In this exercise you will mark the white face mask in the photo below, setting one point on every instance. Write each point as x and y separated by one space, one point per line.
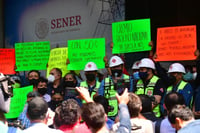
194 75
51 78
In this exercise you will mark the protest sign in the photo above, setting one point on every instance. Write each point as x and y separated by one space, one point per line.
32 55
7 61
131 36
176 43
18 101
83 51
57 59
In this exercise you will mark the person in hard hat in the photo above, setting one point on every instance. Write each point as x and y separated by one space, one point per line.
149 84
176 71
135 76
107 88
91 75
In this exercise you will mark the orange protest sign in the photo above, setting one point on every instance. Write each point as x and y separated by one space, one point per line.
176 43
7 61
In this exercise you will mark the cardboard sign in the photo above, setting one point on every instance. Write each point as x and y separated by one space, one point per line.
7 61
18 101
57 59
80 52
131 36
176 43
32 55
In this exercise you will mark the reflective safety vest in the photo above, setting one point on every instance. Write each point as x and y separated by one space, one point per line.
94 91
109 93
180 87
148 91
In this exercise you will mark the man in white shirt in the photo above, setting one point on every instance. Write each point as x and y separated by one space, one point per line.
37 113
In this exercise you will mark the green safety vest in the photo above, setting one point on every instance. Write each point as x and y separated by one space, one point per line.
110 94
148 91
94 91
180 86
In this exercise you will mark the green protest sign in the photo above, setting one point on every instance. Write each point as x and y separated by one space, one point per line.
83 51
131 36
32 55
57 59
18 101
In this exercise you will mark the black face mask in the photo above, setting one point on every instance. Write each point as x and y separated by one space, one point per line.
55 104
69 84
42 91
172 79
90 77
116 72
143 75
33 82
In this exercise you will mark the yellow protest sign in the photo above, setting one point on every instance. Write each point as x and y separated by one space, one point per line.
57 59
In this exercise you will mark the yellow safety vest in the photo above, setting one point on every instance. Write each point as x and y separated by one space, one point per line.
181 86
148 91
94 91
110 94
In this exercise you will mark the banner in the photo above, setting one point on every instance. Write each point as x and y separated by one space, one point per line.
176 43
131 36
7 61
57 59
18 101
80 52
32 55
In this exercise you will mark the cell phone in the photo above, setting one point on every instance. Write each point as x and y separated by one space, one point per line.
71 92
121 85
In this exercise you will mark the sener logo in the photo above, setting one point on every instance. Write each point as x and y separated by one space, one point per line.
42 28
65 22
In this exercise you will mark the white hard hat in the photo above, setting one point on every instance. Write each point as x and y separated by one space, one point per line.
90 66
176 67
146 62
115 61
136 65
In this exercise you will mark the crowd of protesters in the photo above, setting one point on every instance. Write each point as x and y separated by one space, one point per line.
149 99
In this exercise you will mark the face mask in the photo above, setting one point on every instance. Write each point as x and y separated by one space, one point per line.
172 79
143 75
194 75
188 76
90 77
136 76
33 82
51 78
116 72
56 103
42 91
69 84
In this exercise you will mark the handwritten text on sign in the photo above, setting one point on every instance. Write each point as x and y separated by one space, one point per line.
86 50
131 36
18 101
176 43
32 55
7 61
57 59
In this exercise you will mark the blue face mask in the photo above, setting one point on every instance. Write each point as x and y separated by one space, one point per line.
188 76
136 76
